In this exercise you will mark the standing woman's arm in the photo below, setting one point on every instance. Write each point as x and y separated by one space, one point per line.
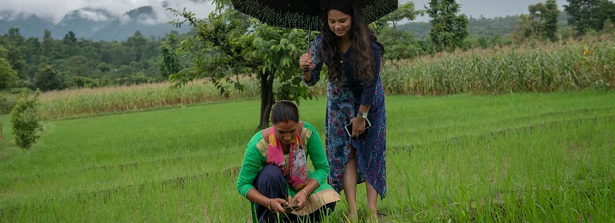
312 76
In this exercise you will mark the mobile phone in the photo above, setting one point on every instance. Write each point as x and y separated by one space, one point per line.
348 127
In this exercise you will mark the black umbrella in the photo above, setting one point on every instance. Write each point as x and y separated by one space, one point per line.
306 14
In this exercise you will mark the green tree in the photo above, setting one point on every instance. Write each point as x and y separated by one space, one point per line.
541 22
24 117
448 29
404 11
7 75
48 79
223 47
137 44
170 61
400 44
48 46
70 38
15 43
550 16
537 13
15 37
524 28
33 56
588 15
77 66
216 50
14 57
276 54
606 14
69 45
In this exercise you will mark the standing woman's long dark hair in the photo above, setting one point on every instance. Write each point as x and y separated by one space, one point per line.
360 37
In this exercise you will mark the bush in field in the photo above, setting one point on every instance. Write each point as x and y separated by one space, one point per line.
25 121
6 103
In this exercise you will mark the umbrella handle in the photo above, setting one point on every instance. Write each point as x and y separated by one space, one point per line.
308 37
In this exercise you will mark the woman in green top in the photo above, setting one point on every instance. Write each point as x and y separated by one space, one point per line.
274 174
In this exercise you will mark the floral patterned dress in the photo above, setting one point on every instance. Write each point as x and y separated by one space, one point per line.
344 98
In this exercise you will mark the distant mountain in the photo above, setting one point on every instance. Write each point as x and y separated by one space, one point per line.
91 23
28 25
84 23
142 19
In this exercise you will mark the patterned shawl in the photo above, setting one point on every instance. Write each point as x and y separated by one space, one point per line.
297 177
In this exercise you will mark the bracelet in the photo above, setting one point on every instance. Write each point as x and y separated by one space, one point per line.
269 204
306 195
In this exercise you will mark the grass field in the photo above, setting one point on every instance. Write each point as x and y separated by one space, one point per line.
509 158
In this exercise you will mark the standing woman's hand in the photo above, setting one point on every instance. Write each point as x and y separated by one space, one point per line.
358 126
305 61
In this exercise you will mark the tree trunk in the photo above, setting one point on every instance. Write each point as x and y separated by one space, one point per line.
266 99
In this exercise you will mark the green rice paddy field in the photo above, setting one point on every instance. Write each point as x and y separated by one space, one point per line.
509 158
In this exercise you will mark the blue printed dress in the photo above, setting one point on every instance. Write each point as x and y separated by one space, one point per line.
344 97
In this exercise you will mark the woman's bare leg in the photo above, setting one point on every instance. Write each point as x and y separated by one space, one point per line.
372 198
349 180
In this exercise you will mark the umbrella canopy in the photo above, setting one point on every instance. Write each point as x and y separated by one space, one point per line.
305 14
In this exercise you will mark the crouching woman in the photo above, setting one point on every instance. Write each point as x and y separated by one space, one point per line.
275 177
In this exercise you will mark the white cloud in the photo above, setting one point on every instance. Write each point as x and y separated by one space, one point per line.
56 9
94 16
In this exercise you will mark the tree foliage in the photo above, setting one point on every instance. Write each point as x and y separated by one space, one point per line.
404 11
228 44
217 50
399 44
586 15
109 63
7 75
48 79
551 17
276 55
170 63
25 121
540 23
448 29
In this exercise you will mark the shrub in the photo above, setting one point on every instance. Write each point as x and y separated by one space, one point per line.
25 121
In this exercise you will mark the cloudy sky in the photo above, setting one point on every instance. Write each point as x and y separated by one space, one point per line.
56 9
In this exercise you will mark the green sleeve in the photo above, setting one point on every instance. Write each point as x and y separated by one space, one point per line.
318 156
253 162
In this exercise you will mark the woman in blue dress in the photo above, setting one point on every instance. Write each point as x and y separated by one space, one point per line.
355 95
